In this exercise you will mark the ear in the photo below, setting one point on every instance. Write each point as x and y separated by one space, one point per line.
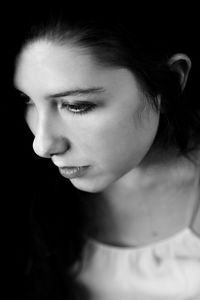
181 64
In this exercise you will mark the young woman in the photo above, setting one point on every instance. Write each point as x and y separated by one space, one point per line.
108 107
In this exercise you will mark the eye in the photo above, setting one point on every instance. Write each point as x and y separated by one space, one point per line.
78 107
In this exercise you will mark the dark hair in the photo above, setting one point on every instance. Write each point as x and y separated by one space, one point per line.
115 43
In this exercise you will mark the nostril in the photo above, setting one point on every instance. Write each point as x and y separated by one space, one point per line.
61 147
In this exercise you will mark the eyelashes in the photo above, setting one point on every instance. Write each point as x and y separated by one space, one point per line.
79 107
76 108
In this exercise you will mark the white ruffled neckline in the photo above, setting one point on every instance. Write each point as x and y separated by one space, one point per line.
168 269
160 243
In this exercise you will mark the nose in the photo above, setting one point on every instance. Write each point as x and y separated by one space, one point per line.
48 139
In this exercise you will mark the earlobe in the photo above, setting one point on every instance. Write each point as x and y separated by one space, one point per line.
181 64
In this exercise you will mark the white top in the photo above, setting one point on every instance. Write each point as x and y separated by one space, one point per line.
168 270
165 270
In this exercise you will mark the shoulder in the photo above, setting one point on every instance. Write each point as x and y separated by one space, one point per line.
196 223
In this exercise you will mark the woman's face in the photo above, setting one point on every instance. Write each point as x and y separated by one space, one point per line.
84 114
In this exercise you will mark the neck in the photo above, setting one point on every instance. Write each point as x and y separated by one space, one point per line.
150 203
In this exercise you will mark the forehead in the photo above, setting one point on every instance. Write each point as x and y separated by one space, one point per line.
50 61
46 67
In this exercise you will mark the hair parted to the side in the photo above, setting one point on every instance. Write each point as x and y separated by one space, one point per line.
114 43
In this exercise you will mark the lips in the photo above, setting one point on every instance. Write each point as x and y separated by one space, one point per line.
73 171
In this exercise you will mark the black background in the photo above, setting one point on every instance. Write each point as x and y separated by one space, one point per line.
21 171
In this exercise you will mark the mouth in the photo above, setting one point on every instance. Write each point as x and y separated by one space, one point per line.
73 171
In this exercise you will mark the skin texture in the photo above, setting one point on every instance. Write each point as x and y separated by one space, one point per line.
137 194
112 139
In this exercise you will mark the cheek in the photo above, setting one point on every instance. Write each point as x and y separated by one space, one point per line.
122 139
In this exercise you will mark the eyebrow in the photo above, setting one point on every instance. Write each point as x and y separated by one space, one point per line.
77 92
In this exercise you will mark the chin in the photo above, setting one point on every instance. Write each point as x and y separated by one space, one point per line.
90 186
